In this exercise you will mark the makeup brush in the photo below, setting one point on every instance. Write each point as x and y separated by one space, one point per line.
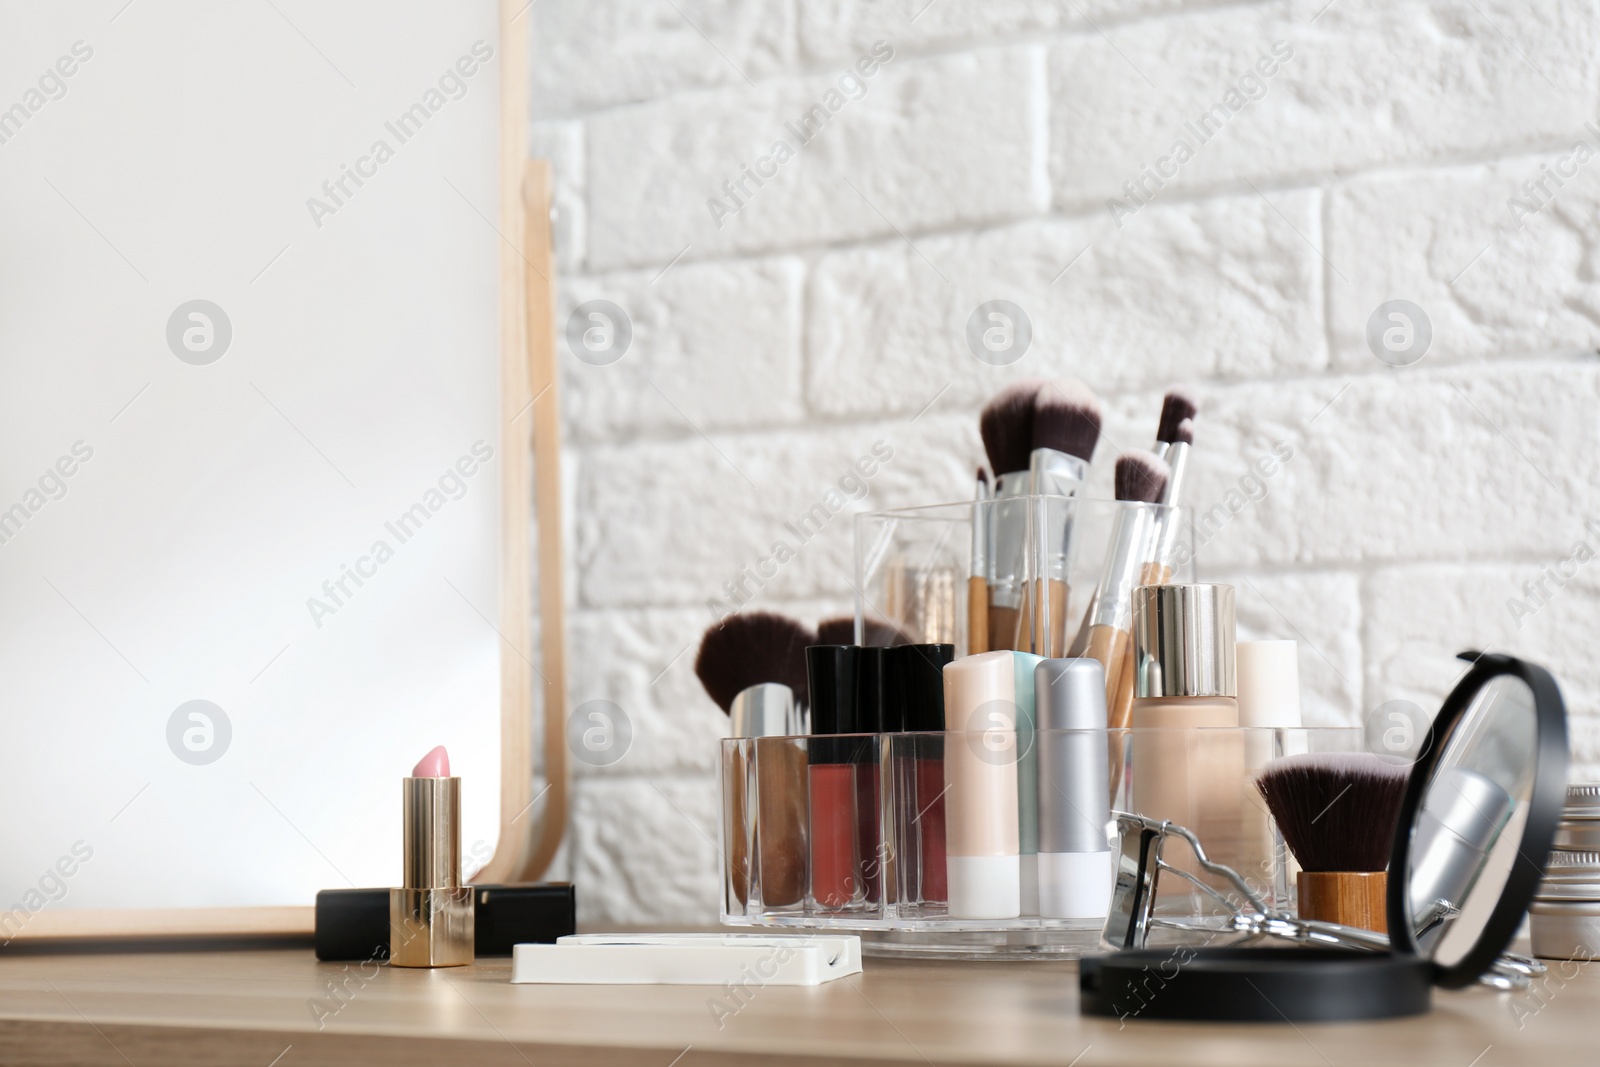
752 648
1337 813
1006 426
978 576
1140 478
1157 569
753 665
841 630
1066 428
1177 405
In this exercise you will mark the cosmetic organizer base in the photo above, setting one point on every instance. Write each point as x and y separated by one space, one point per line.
946 939
846 833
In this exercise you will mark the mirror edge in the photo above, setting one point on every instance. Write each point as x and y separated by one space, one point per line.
1545 804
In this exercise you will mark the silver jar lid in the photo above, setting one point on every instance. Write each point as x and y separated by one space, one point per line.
1183 641
1583 801
1570 876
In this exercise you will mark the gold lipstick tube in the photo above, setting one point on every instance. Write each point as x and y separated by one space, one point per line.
430 915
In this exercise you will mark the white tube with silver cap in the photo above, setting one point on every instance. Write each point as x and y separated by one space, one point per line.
1076 863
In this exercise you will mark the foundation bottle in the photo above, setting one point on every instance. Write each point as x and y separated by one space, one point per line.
1187 769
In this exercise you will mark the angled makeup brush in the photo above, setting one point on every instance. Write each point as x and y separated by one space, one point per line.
841 630
753 648
1140 476
1106 632
1337 813
1177 456
1177 405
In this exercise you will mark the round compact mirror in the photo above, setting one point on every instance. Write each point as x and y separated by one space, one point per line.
1481 808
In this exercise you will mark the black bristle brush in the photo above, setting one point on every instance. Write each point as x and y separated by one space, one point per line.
1006 426
1140 476
1066 418
745 651
751 648
1179 404
1337 813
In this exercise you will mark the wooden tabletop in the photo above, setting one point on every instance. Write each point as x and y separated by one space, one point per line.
261 1007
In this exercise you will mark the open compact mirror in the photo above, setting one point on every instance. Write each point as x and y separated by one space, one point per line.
1479 815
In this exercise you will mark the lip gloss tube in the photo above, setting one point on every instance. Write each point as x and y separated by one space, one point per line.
431 913
1076 863
872 859
980 766
831 680
917 676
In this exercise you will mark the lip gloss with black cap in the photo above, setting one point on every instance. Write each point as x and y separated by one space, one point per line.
831 679
872 670
917 685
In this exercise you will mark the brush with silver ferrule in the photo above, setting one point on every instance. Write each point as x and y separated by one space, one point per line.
978 575
1179 404
753 666
1106 634
1066 429
1006 426
1157 569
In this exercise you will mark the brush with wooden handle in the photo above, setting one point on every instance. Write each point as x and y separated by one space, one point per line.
1337 812
1176 406
1006 426
1140 479
1106 633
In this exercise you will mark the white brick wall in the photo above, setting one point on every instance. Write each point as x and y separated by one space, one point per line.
1374 163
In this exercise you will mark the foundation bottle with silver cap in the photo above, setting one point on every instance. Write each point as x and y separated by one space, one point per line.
1188 759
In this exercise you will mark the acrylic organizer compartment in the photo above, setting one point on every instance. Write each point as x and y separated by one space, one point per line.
1024 583
852 832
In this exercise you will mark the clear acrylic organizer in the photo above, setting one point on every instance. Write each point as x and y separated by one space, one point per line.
847 833
1026 581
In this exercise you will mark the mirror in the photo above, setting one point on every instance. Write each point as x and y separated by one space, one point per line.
253 456
1461 850
1481 810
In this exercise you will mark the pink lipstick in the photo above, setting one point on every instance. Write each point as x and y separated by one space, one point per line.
431 914
436 764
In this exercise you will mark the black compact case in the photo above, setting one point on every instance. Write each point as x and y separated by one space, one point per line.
1505 717
353 924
